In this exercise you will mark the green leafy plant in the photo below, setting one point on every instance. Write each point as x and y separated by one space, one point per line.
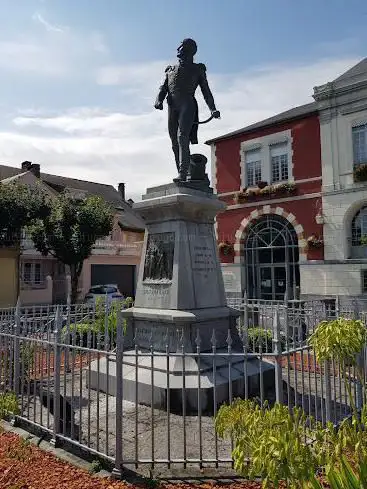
20 206
260 340
95 466
360 173
364 240
271 443
343 477
70 231
104 323
26 358
8 404
341 341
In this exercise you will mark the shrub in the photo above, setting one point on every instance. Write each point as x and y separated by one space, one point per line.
8 404
89 332
260 340
270 443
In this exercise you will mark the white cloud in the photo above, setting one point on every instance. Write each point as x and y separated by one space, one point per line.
32 57
111 146
49 27
47 53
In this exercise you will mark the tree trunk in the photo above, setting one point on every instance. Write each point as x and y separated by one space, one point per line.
74 275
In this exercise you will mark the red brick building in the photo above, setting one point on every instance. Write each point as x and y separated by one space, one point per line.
269 174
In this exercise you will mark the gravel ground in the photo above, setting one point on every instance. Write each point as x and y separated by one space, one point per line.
145 431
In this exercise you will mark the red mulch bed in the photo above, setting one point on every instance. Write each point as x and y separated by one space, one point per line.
24 466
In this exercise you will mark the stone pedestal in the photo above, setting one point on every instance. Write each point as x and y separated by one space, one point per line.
180 301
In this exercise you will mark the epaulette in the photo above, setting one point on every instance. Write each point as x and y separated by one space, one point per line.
202 66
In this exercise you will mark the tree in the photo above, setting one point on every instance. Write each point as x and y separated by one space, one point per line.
70 231
20 205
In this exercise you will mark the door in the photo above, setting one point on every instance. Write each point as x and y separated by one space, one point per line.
273 282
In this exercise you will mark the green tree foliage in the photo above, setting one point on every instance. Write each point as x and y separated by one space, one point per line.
280 444
20 205
70 230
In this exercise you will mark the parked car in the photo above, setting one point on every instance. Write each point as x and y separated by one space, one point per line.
108 291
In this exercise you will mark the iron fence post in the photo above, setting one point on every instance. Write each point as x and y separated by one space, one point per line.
118 469
327 391
16 354
57 374
278 358
360 366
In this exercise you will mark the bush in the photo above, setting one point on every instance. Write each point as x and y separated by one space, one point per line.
270 443
8 404
88 333
260 340
280 444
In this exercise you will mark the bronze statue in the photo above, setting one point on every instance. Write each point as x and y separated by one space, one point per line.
179 86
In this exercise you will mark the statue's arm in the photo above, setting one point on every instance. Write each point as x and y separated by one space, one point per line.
162 93
204 86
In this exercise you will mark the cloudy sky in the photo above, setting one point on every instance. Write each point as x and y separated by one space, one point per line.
78 78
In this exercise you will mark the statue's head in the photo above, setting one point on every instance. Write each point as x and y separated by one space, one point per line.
187 49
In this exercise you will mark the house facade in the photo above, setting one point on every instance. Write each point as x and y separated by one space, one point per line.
114 260
296 216
342 107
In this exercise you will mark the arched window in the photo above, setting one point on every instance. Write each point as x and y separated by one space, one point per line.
359 227
271 259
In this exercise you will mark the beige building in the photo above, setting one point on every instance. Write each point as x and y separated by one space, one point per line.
114 260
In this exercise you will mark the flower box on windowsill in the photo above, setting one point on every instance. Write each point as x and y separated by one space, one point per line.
226 248
360 173
226 252
267 191
315 242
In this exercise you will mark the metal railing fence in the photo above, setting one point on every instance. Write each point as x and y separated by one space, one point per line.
91 383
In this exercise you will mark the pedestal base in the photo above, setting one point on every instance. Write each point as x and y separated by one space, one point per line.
201 384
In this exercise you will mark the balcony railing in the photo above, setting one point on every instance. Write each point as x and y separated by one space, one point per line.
106 247
101 247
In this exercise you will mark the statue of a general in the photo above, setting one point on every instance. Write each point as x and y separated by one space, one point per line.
179 86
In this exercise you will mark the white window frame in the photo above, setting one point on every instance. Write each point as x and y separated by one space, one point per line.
279 151
358 127
253 158
33 266
364 281
264 144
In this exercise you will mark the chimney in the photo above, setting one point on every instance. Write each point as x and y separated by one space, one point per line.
26 165
36 170
121 188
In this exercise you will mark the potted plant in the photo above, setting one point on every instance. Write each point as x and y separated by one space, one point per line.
268 190
360 173
315 242
240 196
226 248
262 184
286 188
